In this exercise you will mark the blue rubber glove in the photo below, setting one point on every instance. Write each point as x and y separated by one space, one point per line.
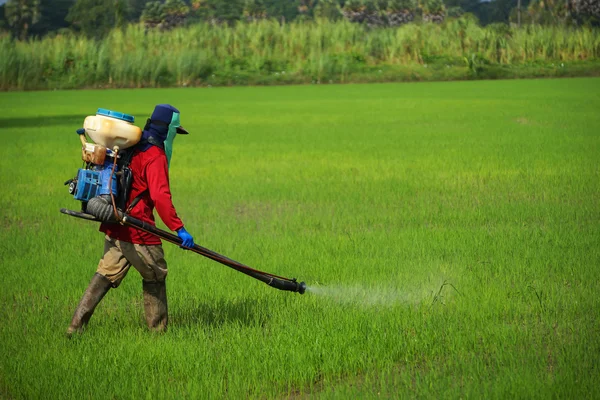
188 240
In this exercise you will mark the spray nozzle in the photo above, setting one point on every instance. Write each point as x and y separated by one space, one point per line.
301 287
288 285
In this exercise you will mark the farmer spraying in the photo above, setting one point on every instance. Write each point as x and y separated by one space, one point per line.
126 246
125 176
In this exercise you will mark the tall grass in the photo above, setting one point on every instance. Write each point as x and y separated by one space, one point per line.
268 52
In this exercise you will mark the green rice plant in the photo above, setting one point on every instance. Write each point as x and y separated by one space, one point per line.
448 233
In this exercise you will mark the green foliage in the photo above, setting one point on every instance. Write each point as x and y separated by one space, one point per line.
153 14
433 11
176 8
465 5
475 64
95 18
285 10
573 12
176 13
401 5
546 12
136 8
92 17
52 18
391 13
432 6
218 11
368 12
455 12
306 8
254 10
353 5
167 15
317 51
21 15
328 9
485 11
500 29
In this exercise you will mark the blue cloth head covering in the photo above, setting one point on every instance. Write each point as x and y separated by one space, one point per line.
157 128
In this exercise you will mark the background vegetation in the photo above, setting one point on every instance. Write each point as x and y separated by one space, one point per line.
267 52
95 18
119 43
375 195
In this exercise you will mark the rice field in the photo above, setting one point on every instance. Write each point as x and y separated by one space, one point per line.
448 233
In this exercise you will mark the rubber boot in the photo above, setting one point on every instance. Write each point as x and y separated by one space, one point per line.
98 287
155 305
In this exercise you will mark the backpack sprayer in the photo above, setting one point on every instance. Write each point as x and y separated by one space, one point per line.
103 185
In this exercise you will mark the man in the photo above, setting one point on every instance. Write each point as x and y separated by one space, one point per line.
125 246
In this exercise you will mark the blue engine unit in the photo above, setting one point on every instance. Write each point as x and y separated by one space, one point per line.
95 182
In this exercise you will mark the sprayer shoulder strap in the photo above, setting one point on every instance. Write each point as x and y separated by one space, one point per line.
135 201
126 156
140 195
126 181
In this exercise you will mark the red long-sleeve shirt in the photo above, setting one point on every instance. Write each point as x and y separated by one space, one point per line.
150 175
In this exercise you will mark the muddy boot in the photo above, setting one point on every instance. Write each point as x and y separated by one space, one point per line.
155 305
96 290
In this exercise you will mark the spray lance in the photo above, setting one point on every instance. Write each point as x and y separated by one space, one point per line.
278 282
102 178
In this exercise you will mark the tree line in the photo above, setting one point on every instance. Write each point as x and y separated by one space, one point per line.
95 18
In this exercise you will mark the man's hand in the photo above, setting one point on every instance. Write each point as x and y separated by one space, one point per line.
188 240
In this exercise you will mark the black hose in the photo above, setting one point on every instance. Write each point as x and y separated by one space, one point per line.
277 282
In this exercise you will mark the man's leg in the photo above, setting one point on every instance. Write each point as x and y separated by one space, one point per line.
155 305
95 291
112 268
151 264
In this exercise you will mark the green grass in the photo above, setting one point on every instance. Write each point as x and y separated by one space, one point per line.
375 195
269 53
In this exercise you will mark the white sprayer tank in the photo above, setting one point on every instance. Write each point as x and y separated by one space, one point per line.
112 128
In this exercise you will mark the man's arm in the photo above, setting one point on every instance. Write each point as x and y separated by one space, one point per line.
157 176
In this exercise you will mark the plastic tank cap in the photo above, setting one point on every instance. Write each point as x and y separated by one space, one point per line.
115 114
